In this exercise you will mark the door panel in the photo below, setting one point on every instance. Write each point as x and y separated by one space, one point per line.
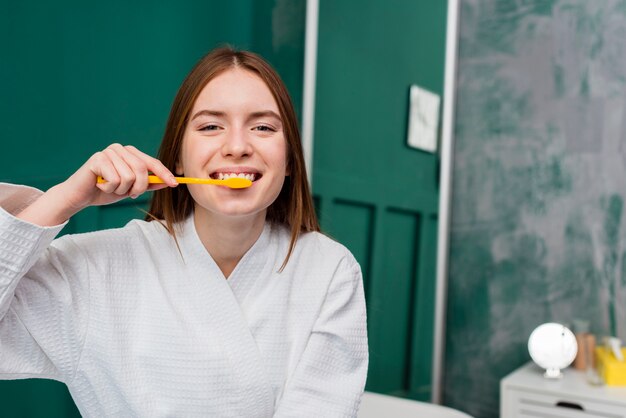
390 311
352 225
375 194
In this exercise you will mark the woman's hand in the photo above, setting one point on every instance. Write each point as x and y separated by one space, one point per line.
125 170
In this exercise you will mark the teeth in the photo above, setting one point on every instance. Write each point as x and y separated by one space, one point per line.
224 176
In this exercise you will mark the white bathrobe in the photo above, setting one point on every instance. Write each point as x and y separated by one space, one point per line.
134 327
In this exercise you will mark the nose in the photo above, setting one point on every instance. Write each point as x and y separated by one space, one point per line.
236 144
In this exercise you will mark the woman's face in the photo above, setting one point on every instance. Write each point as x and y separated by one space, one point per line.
234 129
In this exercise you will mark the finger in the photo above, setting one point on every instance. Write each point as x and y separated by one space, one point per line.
139 168
155 166
126 174
102 166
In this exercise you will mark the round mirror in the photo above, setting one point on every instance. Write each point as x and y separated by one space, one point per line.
553 347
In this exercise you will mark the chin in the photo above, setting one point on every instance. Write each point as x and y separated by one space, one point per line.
233 211
232 204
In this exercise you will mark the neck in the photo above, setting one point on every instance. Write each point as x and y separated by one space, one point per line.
228 239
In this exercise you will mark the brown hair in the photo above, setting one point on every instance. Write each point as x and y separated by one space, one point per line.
294 206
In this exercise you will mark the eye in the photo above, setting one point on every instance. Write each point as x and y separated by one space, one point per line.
264 128
209 127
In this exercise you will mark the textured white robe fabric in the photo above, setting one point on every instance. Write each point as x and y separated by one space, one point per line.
134 327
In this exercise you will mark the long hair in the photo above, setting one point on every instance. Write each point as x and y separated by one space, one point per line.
294 206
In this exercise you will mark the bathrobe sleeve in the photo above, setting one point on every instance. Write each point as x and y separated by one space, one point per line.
43 295
330 376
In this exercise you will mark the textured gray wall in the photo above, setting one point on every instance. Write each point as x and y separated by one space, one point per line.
537 228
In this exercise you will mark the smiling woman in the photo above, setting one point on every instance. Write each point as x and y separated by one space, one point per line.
248 113
224 302
241 138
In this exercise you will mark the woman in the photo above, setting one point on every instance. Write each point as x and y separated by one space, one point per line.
225 302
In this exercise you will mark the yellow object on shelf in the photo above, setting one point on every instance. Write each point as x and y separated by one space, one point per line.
612 370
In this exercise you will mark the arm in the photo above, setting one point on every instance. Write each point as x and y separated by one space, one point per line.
330 377
125 170
44 286
30 219
43 293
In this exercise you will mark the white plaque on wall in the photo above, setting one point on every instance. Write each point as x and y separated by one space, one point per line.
423 119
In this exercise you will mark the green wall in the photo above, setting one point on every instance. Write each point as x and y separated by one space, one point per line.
76 76
539 184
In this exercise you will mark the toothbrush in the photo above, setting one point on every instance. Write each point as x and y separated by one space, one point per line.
232 182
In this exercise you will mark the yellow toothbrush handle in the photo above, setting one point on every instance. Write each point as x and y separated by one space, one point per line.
154 179
233 182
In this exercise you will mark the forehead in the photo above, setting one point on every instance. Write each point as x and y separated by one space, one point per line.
236 88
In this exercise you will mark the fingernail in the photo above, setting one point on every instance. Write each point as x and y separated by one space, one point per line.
133 196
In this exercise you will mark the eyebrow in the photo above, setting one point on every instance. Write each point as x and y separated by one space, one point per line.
206 112
265 114
253 115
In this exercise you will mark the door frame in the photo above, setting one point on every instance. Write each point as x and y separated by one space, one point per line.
445 196
308 90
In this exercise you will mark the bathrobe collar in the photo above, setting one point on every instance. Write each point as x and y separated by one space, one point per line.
226 315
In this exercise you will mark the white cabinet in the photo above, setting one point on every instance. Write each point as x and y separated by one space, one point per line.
525 393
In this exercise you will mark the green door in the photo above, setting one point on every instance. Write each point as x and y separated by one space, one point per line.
76 76
374 193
